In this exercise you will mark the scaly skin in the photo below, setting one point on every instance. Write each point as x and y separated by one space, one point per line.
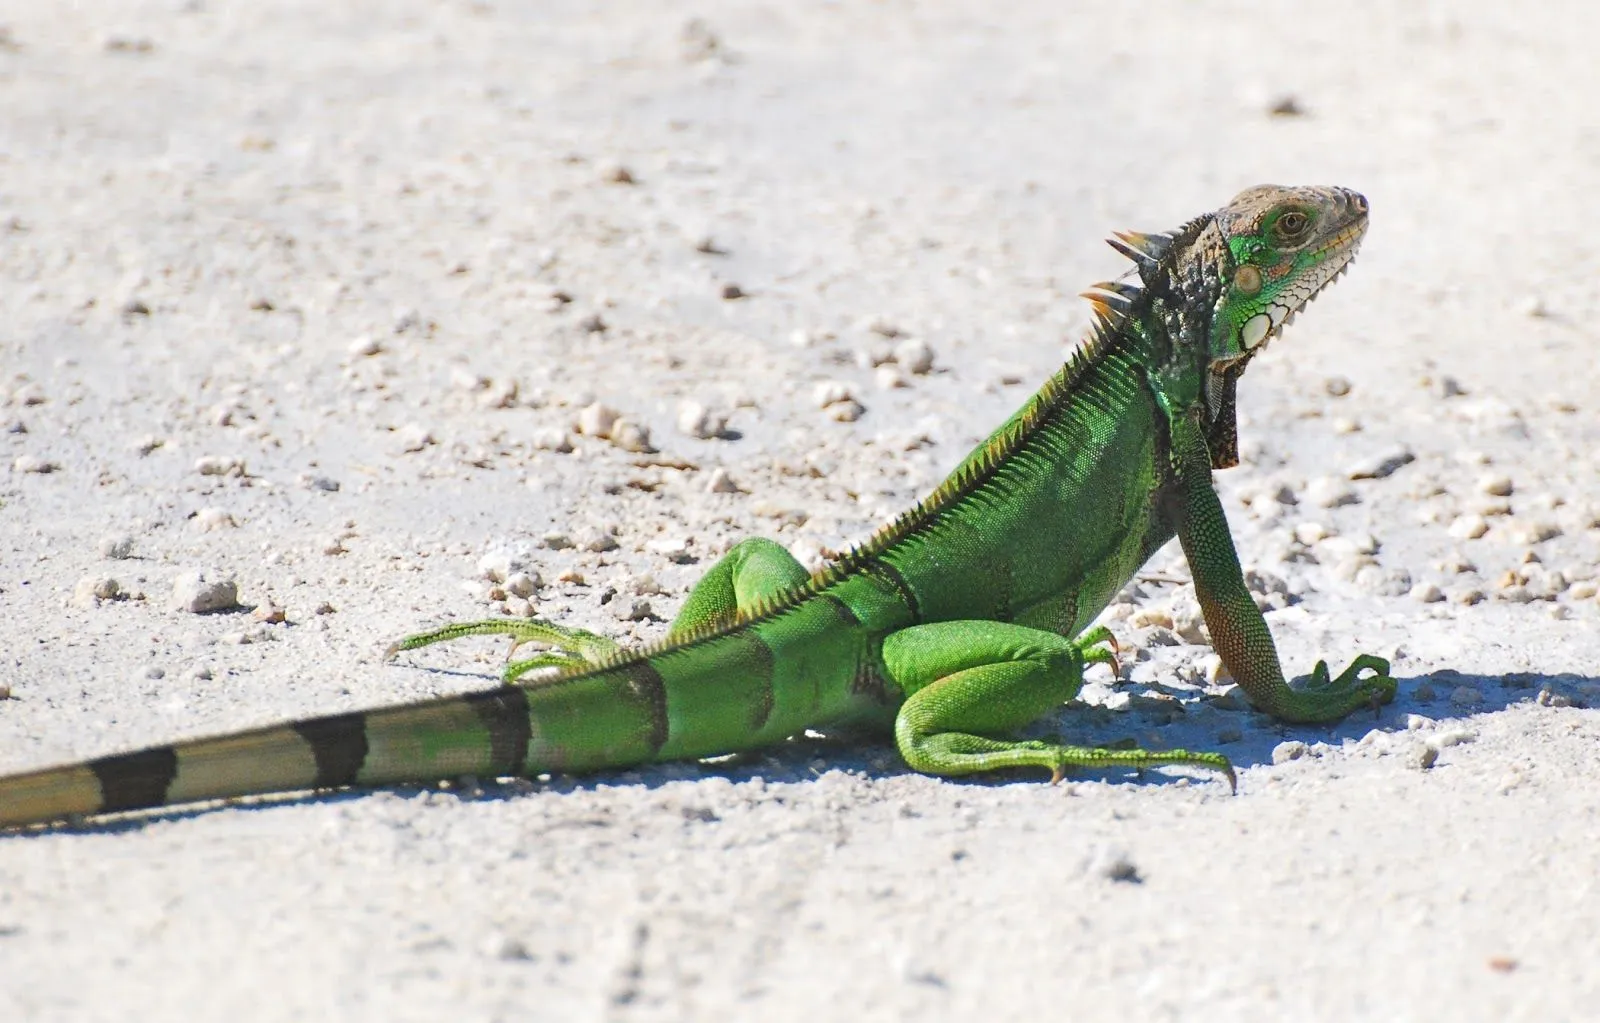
954 626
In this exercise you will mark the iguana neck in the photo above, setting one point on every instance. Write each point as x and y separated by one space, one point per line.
1175 313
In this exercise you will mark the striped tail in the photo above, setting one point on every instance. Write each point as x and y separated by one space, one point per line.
611 718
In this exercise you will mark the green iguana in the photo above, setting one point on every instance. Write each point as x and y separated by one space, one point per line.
963 620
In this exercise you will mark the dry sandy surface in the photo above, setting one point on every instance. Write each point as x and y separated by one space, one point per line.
304 295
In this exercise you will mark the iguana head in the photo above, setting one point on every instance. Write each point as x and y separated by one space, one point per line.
1219 287
1284 245
1279 247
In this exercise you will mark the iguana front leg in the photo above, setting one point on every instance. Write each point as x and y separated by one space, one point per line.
754 571
969 684
1238 631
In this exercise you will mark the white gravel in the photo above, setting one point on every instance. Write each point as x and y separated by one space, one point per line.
401 246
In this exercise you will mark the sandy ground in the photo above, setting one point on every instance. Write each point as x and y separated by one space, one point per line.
304 295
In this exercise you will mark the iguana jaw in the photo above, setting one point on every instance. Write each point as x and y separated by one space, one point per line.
1331 262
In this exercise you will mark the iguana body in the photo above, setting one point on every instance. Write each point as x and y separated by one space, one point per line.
954 626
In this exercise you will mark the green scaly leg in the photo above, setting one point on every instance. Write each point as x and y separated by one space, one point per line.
968 682
755 570
1238 631
571 647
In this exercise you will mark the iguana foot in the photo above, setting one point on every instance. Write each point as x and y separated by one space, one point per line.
1098 646
565 647
1327 699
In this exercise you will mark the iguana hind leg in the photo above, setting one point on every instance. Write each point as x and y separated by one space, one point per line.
968 683
755 570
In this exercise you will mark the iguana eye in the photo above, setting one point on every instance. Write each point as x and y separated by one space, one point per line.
1292 223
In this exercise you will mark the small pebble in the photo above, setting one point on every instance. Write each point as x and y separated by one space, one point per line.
1496 485
364 346
1424 756
1309 533
553 439
1549 696
731 292
269 613
592 324
500 565
721 483
1330 492
209 520
673 548
1113 865
914 355
1286 105
632 610
889 378
698 421
830 392
1469 527
523 584
597 420
215 465
1284 752
1453 736
601 543
846 411
200 592
1532 531
616 174
1382 465
91 590
414 437
1426 593
696 42
28 463
1336 387
308 481
555 301
1463 696
117 547
631 436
